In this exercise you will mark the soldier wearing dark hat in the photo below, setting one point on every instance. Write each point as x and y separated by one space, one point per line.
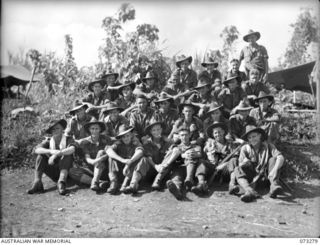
203 96
96 98
211 66
127 162
255 55
94 169
113 119
175 90
240 118
111 81
258 160
156 148
166 112
217 147
215 113
54 157
267 117
187 76
79 119
232 94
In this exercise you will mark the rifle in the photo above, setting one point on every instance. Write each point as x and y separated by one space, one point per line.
224 163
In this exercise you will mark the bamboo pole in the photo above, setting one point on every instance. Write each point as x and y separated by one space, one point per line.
31 80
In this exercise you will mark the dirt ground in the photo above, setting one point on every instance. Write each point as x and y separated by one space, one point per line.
83 213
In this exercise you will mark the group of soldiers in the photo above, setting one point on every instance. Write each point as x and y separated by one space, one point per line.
195 129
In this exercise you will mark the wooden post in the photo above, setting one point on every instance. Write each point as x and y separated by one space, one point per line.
31 80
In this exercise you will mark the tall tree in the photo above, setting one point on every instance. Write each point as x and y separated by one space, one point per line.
304 32
229 35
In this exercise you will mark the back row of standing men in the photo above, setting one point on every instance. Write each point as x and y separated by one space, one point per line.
194 127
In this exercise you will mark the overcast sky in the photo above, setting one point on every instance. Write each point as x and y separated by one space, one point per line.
187 26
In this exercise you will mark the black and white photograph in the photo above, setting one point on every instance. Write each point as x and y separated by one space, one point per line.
160 119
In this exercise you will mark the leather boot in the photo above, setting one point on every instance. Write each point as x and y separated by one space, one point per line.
275 189
233 187
103 185
200 189
174 189
157 182
113 189
95 186
124 184
37 187
62 188
250 194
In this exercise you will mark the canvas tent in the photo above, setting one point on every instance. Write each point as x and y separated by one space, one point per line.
15 75
295 78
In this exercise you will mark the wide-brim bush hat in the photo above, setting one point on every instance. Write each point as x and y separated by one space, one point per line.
124 129
77 106
110 107
164 97
153 122
209 61
230 79
252 33
250 129
149 75
263 95
110 73
183 58
91 84
94 121
202 84
216 125
190 104
242 106
127 83
54 122
213 107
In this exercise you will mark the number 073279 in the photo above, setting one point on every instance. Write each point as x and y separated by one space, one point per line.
309 240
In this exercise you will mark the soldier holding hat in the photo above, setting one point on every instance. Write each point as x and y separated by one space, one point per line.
126 160
187 76
255 55
258 160
267 117
95 158
54 157
230 96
